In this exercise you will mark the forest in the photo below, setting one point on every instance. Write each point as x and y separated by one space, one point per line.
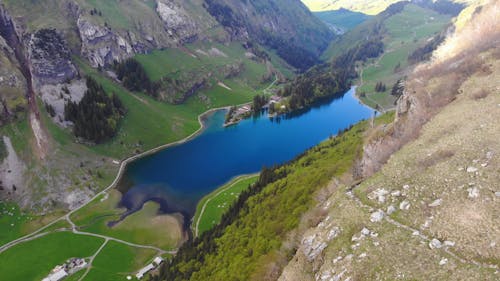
134 77
96 116
329 79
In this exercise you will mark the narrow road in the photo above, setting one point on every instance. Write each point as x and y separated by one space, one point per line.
89 265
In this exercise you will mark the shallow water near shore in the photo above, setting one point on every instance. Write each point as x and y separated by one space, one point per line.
179 176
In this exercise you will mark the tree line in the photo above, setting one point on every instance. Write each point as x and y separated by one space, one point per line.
97 115
329 79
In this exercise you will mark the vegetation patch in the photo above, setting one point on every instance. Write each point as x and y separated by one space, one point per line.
97 115
211 208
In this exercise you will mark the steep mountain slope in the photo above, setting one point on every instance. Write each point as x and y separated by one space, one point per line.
421 215
429 213
298 37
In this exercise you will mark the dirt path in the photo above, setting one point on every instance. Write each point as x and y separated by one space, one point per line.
89 266
419 234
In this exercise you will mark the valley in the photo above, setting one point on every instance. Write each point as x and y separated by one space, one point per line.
271 197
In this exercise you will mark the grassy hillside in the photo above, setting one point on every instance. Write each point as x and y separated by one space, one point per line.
402 33
405 33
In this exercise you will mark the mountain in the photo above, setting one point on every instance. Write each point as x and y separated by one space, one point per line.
341 20
173 52
403 196
366 7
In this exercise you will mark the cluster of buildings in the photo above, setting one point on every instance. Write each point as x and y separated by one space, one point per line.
69 267
156 262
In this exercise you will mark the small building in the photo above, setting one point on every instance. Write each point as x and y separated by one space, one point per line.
144 270
158 261
56 275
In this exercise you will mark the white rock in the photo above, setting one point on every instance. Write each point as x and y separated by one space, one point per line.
379 194
363 255
471 169
436 203
497 194
391 209
337 259
405 205
334 232
396 193
406 187
365 231
416 233
443 261
377 216
435 244
473 192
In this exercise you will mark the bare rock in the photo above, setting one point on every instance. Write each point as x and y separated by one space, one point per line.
436 203
471 169
377 216
391 209
435 244
405 205
473 192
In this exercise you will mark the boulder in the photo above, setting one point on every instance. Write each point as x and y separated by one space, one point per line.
435 244
377 216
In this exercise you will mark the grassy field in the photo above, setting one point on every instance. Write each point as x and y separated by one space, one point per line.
215 204
34 259
116 261
145 227
406 31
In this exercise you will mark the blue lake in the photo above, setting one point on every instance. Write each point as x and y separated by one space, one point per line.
179 176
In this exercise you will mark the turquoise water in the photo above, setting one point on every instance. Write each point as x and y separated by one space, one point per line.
179 176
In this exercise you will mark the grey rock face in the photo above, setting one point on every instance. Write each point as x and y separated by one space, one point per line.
50 57
101 45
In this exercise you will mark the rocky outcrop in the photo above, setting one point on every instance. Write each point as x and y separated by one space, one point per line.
179 25
100 45
50 58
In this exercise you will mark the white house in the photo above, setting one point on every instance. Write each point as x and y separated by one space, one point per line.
158 260
56 276
144 270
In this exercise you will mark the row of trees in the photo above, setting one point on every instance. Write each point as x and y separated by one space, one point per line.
380 87
258 102
97 115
